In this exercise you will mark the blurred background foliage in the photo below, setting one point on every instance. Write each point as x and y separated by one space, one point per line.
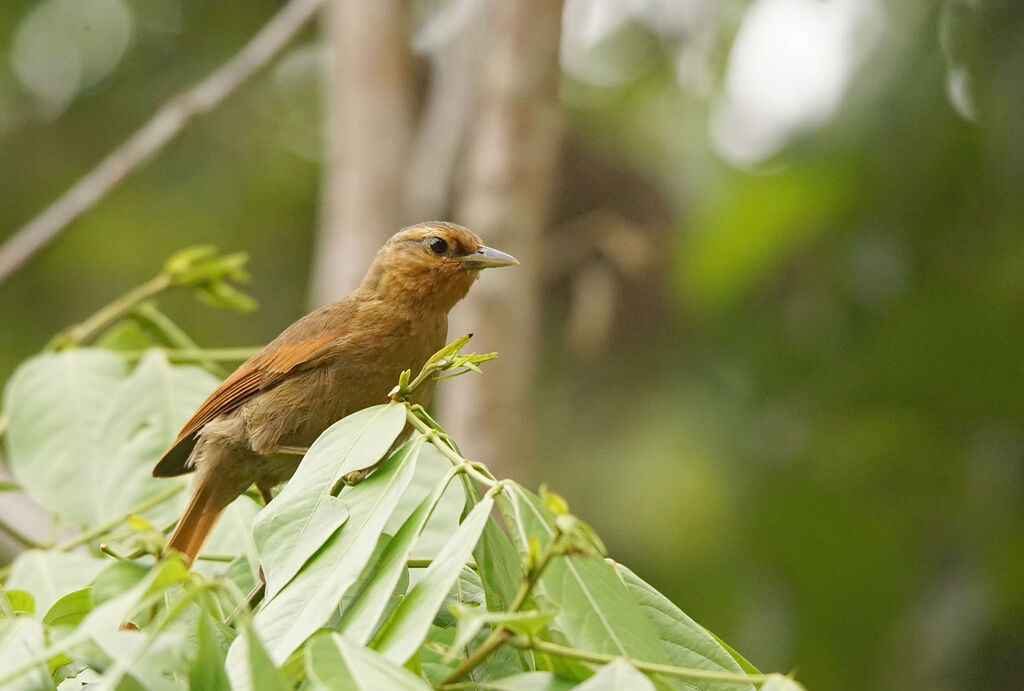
781 362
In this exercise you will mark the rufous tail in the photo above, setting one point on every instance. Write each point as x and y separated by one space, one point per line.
197 522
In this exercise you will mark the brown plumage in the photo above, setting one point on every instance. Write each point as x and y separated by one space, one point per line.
334 361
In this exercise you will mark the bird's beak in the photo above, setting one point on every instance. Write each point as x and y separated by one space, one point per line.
487 257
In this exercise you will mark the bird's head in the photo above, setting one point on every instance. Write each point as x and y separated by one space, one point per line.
433 263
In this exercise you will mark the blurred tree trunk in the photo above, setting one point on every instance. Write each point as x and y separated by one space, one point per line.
368 126
503 194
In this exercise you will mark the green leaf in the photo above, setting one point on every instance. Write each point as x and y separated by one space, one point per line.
150 660
21 639
471 619
595 611
126 334
115 579
56 402
333 663
261 674
779 682
501 571
302 518
141 420
743 662
207 669
361 619
242 573
21 601
223 294
528 681
407 626
431 469
79 420
312 597
70 609
617 676
49 575
183 260
6 610
685 641
8 486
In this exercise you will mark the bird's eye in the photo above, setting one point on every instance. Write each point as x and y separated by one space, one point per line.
438 245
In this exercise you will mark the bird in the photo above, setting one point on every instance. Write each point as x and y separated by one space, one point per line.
336 360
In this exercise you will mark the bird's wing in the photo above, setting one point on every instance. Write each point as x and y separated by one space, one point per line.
264 370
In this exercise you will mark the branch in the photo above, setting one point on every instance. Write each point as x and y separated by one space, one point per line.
532 643
500 634
168 121
99 530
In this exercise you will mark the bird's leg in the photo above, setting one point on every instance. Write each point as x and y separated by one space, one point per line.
357 476
254 597
292 450
265 492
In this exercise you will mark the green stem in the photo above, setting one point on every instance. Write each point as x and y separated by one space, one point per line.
425 563
147 315
96 531
107 315
531 643
451 454
500 634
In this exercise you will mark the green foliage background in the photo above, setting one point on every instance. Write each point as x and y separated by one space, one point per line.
808 426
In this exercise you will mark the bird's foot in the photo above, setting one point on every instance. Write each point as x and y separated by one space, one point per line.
292 450
357 476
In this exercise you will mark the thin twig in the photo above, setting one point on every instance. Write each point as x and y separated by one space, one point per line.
168 121
500 634
458 461
532 643
147 315
109 313
95 532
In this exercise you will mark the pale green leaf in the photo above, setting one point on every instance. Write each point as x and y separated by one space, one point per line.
685 641
528 681
364 614
206 670
263 675
21 601
501 571
6 610
595 610
79 420
49 575
55 403
779 682
312 597
22 638
617 676
471 619
335 664
70 609
139 422
407 626
302 518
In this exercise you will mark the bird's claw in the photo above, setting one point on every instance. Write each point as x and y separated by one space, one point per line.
356 476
